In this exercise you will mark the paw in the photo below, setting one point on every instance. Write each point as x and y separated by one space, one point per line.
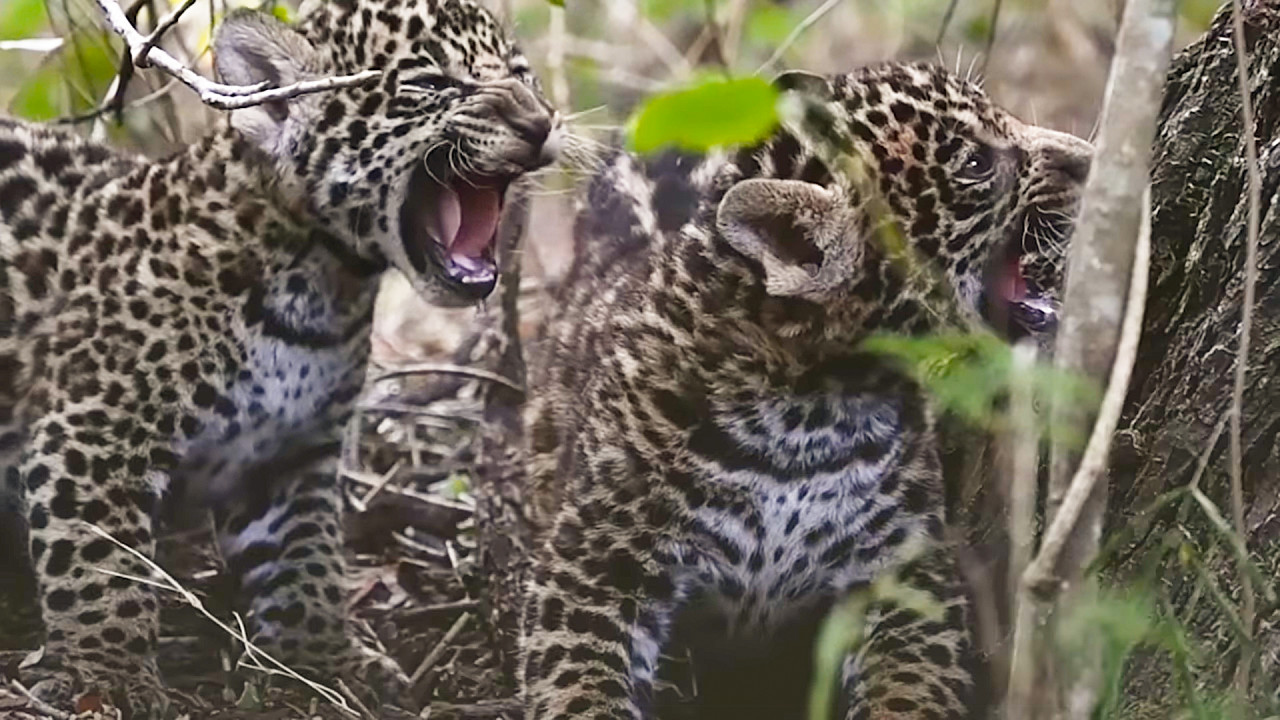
375 678
79 686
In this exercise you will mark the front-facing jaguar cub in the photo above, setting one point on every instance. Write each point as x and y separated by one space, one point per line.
716 459
190 333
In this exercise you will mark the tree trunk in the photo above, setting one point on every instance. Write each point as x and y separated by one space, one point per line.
1180 395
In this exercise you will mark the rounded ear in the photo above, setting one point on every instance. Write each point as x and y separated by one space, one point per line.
804 82
252 47
800 233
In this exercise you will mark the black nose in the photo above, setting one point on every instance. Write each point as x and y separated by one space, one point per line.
1069 162
532 129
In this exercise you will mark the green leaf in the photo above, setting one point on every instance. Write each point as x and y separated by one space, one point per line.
39 98
21 18
557 3
969 374
712 113
769 25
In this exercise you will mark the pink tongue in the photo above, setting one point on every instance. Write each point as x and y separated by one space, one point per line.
1011 286
479 221
465 219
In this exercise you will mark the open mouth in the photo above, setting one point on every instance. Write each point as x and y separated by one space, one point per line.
1014 305
451 221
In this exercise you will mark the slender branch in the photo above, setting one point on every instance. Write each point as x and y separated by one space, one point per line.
946 21
162 27
796 32
438 651
555 57
215 94
1022 451
1041 576
1099 272
991 36
448 369
1248 609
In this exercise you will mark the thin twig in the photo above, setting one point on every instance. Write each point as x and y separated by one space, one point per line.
991 37
946 21
556 34
662 48
39 704
215 94
111 105
167 582
449 369
162 26
1023 445
796 32
438 651
1041 575
353 699
381 483
1248 609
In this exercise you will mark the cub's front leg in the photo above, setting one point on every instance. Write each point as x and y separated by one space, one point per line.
101 625
596 617
914 667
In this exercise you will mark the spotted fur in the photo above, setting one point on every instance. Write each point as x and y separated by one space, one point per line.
190 333
715 460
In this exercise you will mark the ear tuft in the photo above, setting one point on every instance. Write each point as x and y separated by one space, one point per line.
801 233
253 47
804 82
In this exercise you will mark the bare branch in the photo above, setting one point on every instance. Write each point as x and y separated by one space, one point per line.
215 94
166 22
946 21
796 32
991 36
555 57
1248 608
449 369
1041 576
1099 273
438 651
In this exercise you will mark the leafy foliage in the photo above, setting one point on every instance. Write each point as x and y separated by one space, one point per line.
21 18
969 374
714 112
68 81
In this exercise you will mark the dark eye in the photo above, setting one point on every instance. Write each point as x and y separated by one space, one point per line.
431 83
979 165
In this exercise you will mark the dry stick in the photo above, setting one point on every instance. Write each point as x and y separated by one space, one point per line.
162 26
39 704
1041 576
167 582
449 369
1248 603
1040 579
556 34
796 32
1098 275
663 48
1022 451
434 656
215 94
991 37
946 20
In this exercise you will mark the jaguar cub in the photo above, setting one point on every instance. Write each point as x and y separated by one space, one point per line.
715 460
190 333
